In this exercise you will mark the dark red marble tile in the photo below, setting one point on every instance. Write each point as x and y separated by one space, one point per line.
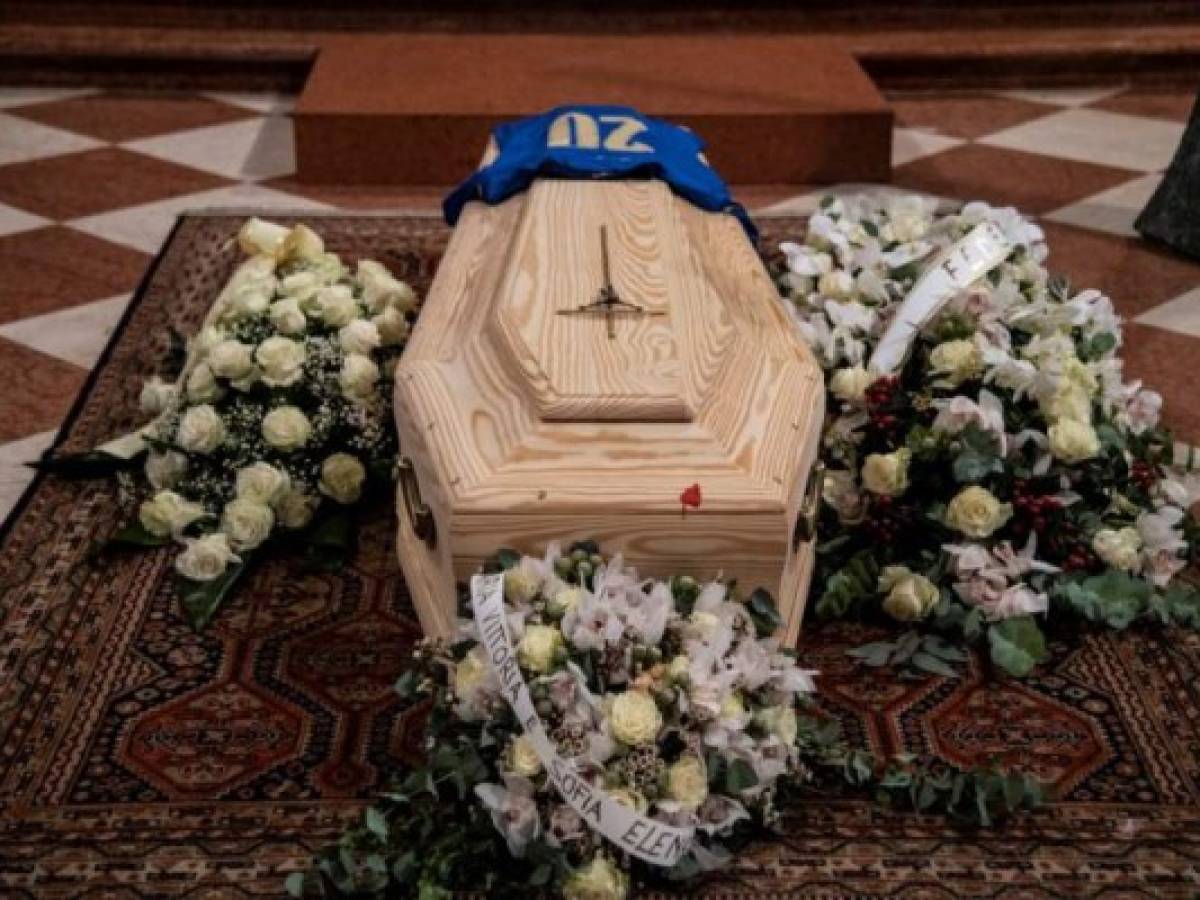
53 268
1153 103
41 390
1166 361
1029 181
965 114
96 181
126 116
1135 274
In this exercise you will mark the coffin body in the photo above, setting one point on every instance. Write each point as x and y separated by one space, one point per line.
520 424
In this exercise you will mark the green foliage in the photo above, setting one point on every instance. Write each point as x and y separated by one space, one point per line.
1114 599
760 605
914 652
92 464
1017 645
978 456
202 599
851 587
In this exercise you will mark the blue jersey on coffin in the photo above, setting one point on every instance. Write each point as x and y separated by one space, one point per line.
595 142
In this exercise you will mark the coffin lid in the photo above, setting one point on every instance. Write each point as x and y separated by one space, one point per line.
521 397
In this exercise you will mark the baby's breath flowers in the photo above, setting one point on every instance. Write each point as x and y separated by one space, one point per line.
1007 471
281 409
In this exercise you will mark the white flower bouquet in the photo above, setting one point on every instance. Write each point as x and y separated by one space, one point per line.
1006 476
280 419
668 698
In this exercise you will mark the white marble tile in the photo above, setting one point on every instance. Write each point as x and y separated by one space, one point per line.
77 334
146 227
1113 210
13 220
1066 96
1181 314
265 103
253 149
1095 136
22 140
12 97
15 476
913 143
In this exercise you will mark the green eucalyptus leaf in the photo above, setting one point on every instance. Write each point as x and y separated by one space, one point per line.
134 536
1017 645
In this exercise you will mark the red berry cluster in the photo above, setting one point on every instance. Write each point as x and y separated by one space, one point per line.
886 521
1079 559
1034 510
1143 474
881 391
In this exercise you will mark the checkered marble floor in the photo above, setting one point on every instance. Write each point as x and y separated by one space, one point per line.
91 182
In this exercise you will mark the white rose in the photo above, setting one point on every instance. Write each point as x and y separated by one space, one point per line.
247 523
287 317
231 359
392 326
976 512
202 386
156 395
295 508
836 284
520 586
635 718
205 557
381 289
302 243
539 645
286 428
360 336
208 337
678 669
250 301
732 707
259 237
167 513
1072 441
1069 401
282 361
779 721
840 491
337 306
957 360
1119 547
908 226
629 798
850 384
523 758
471 672
564 601
598 880
910 596
687 781
200 430
342 477
163 470
358 376
262 483
302 287
886 474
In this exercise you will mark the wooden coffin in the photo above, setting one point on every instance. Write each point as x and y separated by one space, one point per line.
524 419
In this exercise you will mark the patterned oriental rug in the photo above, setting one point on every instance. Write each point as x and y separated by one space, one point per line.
138 759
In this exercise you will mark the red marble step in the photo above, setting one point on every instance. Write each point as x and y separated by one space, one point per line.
417 109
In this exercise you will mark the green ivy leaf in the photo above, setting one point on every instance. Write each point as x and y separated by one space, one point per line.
1017 645
739 776
135 537
763 613
508 559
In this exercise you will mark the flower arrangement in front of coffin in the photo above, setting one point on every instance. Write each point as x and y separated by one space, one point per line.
278 420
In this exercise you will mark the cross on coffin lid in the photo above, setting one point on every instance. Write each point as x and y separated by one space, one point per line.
556 274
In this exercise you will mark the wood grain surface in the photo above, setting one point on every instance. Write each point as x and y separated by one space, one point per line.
526 426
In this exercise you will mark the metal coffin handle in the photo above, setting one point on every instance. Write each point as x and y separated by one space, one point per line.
810 508
420 516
